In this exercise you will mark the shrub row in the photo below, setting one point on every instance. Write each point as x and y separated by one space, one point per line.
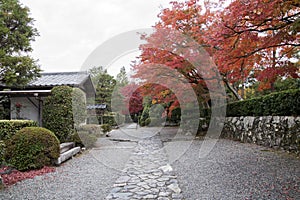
2 151
8 128
285 103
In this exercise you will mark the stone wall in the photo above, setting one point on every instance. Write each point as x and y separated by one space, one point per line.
270 131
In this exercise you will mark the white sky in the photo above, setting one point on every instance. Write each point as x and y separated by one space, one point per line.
71 29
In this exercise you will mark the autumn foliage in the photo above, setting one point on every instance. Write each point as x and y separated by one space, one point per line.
207 45
133 99
256 38
15 176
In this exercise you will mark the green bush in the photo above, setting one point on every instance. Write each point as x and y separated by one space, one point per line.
106 128
145 116
119 118
153 121
175 116
32 148
286 103
79 106
5 107
57 112
108 119
93 129
84 139
142 123
147 122
2 151
8 128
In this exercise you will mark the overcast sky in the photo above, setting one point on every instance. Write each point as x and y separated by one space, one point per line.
71 29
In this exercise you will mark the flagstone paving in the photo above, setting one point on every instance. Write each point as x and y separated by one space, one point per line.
147 175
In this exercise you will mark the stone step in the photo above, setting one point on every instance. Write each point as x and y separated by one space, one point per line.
68 154
64 147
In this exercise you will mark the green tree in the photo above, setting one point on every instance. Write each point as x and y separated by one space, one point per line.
117 101
281 84
117 97
104 84
122 78
17 32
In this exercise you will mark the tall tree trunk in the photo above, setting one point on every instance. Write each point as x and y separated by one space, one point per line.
234 92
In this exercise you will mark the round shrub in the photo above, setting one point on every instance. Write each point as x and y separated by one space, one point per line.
106 128
154 122
84 139
142 123
107 119
32 148
94 129
147 121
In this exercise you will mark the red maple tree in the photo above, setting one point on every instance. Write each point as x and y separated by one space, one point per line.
246 40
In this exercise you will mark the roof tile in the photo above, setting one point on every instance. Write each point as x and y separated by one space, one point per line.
59 78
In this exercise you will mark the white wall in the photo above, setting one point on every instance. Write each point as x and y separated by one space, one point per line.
28 110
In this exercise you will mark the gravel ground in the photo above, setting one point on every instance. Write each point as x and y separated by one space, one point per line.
86 176
235 170
232 170
83 177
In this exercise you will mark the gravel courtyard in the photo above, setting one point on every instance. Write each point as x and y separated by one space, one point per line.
151 163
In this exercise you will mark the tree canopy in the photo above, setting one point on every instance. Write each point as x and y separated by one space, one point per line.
246 40
17 32
122 79
117 100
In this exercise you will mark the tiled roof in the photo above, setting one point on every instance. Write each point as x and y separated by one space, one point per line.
59 78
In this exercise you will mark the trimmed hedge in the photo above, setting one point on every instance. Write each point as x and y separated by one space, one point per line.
8 128
285 103
2 152
32 148
58 112
108 119
79 106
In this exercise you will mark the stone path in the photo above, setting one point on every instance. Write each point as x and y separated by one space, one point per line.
147 175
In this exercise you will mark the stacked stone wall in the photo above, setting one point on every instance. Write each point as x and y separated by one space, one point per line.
281 132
